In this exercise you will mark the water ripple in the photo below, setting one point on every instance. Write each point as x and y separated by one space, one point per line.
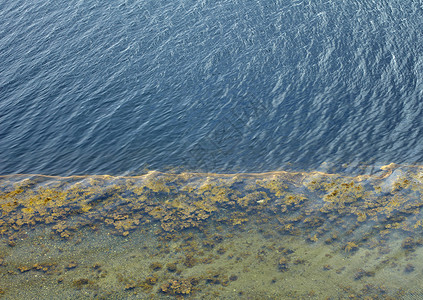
226 86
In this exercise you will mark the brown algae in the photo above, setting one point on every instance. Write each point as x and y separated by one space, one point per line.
294 235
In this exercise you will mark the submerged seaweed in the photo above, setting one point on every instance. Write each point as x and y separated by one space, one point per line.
348 214
303 203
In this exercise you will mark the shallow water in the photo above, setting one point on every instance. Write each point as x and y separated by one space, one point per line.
220 263
295 235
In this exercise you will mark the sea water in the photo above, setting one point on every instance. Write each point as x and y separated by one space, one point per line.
210 149
216 86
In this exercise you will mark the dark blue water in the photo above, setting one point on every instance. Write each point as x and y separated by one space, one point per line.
115 87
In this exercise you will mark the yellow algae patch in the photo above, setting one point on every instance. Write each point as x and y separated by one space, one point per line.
304 203
274 185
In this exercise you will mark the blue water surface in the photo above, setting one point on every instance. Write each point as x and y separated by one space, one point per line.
118 86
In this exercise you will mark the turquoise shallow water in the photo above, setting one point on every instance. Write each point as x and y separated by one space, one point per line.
226 86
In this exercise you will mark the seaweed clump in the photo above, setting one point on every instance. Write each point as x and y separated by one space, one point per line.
307 204
177 287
